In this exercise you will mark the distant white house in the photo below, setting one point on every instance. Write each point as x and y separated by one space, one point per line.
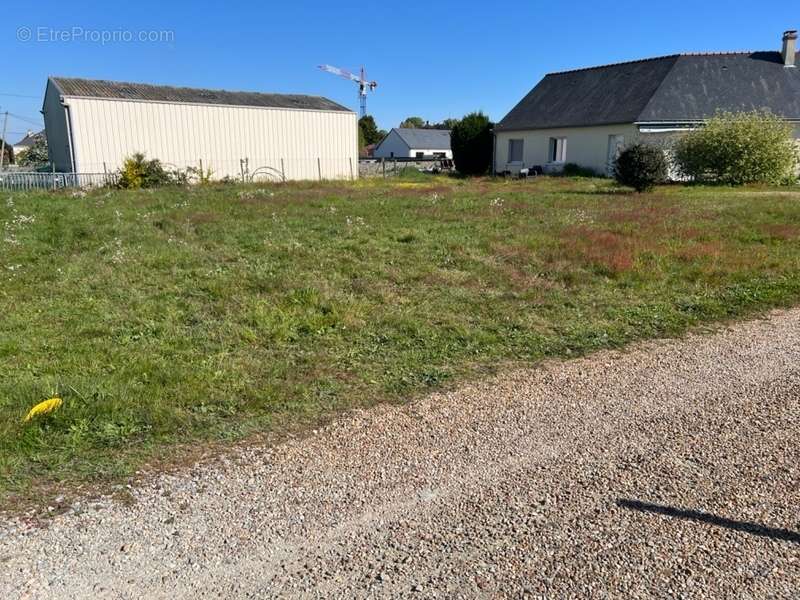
28 141
403 142
93 125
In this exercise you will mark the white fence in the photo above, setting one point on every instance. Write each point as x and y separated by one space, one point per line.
245 170
22 180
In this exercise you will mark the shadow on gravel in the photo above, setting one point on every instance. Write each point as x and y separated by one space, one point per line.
695 515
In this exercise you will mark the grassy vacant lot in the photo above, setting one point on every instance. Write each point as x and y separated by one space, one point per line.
210 313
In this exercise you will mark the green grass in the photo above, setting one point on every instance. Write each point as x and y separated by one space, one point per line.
170 317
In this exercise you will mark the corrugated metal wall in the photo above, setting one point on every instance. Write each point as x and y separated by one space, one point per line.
303 144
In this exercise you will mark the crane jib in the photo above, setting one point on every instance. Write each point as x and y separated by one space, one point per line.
364 85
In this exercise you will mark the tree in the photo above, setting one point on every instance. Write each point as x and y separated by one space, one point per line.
738 148
413 123
471 142
444 124
8 155
641 167
361 140
36 155
369 130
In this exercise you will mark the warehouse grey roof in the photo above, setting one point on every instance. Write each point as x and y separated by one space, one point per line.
98 88
432 139
670 89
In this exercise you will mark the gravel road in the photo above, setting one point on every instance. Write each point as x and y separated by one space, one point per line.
669 470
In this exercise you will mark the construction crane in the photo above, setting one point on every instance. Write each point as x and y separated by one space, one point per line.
363 85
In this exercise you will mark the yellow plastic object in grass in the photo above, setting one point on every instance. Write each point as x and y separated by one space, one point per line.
44 408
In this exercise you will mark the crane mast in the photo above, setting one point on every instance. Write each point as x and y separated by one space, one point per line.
364 85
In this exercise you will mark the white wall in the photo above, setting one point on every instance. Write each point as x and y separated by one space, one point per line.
586 146
311 143
391 145
429 152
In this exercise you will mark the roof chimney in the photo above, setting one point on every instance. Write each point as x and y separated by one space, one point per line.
789 50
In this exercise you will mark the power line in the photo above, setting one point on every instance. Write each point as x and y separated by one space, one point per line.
18 95
26 119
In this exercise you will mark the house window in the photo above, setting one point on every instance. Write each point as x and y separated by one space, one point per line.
558 150
420 154
440 154
515 151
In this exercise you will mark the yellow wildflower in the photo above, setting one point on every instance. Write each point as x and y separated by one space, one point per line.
43 408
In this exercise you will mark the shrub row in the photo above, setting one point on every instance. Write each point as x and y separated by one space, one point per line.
731 149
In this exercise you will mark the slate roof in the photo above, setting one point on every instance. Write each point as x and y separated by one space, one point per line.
430 139
668 89
98 88
30 139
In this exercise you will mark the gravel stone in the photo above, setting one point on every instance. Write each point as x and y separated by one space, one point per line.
668 470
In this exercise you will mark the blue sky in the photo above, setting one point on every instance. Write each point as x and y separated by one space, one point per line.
432 59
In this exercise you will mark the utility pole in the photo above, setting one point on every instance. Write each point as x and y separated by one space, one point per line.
3 143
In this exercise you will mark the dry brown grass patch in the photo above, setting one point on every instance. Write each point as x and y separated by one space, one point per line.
611 251
782 231
701 251
656 213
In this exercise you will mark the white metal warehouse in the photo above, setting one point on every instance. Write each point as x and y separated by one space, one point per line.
93 125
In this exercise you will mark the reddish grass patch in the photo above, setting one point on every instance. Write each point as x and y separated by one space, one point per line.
782 231
511 252
690 234
701 251
612 252
652 214
513 262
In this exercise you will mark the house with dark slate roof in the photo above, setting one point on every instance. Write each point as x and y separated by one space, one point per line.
587 116
28 141
403 142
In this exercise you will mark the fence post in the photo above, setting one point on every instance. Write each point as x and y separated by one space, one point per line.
383 167
53 171
283 172
351 168
241 168
319 168
200 160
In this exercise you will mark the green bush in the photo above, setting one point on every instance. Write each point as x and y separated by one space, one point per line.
641 167
36 155
471 141
138 172
575 170
738 148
